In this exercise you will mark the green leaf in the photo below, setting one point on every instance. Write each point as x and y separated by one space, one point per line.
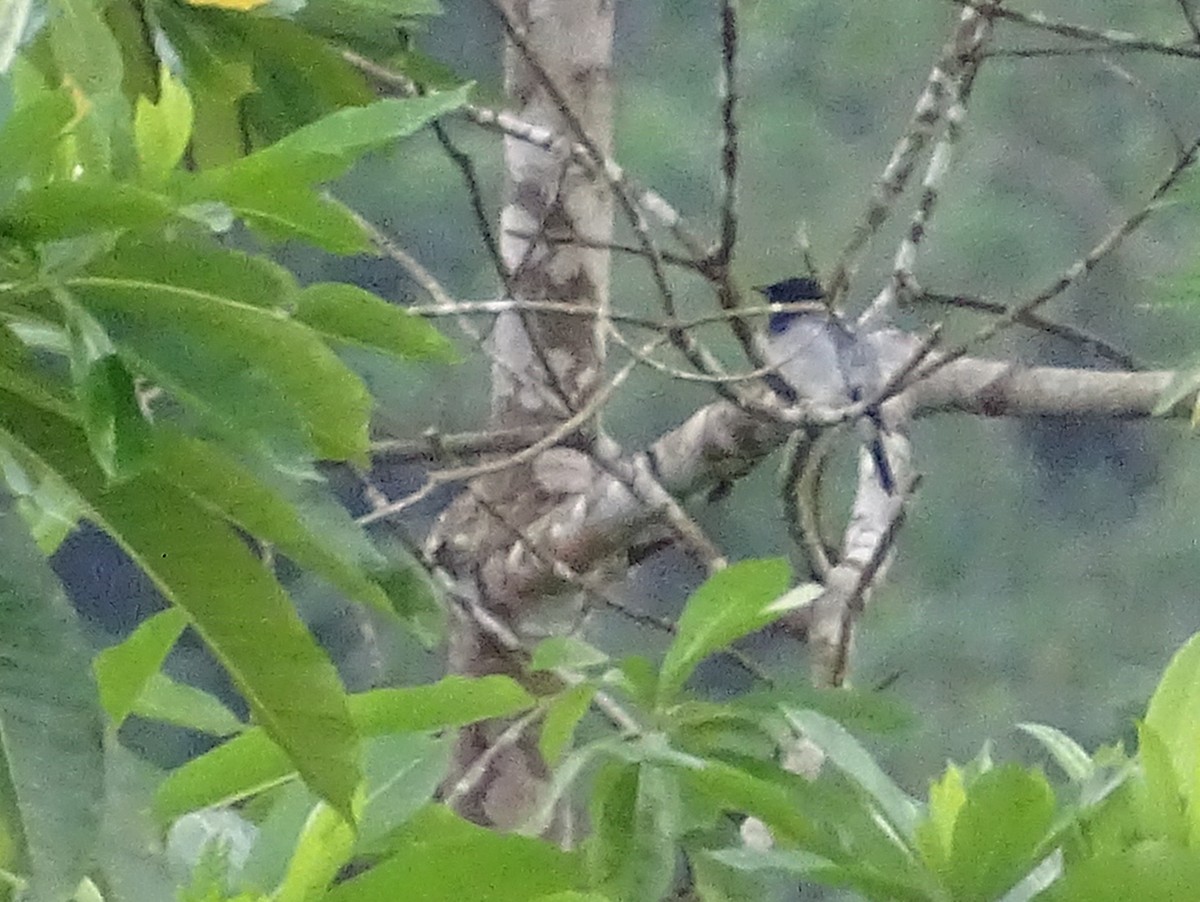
249 763
162 130
89 62
299 517
1164 813
1174 715
203 268
934 836
30 137
998 832
50 723
402 773
278 833
281 208
347 313
299 76
781 806
149 318
204 567
84 48
324 846
413 594
717 881
450 860
166 700
65 209
450 702
856 709
127 20
1151 871
567 652
219 73
1067 753
816 869
562 717
326 149
51 510
747 860
734 602
848 756
117 430
123 670
725 730
635 823
636 676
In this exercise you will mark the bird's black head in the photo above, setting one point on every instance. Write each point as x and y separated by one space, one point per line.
790 291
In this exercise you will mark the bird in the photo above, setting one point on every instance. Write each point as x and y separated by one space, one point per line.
820 358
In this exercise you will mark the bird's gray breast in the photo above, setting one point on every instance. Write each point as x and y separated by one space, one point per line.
808 355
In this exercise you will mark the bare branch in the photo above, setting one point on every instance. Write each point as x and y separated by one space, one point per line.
958 60
1066 332
1109 37
1080 267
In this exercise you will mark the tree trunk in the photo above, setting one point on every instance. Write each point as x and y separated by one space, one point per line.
545 368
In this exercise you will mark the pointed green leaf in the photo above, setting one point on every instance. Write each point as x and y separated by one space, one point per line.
998 832
562 717
1174 715
1165 814
734 602
450 702
249 763
301 518
347 313
326 148
64 209
123 670
324 846
151 319
280 208
635 819
934 836
117 430
402 773
168 701
566 651
162 130
847 755
243 766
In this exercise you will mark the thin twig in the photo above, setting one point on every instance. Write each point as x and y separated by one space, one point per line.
1073 334
957 60
1109 37
552 438
1076 270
